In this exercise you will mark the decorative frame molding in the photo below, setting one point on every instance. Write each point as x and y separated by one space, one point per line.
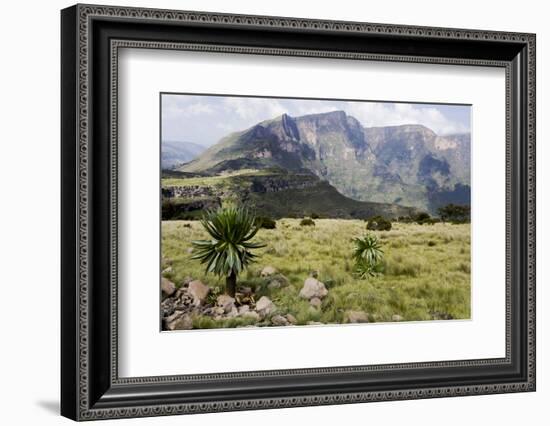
91 37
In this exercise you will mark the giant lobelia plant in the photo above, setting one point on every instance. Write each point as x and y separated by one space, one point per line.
229 251
367 255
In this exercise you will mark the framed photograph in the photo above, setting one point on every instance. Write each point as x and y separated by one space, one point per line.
263 212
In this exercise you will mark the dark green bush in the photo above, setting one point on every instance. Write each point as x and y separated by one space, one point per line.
315 216
265 222
405 219
378 223
307 222
425 219
454 213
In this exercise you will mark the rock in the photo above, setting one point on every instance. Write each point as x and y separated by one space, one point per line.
278 281
264 306
252 314
167 307
168 287
279 320
313 288
179 321
355 317
315 302
218 310
244 309
167 270
291 318
397 318
189 250
273 284
233 312
183 323
267 271
198 292
226 302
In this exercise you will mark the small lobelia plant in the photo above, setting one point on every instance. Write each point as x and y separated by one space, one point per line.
367 255
229 251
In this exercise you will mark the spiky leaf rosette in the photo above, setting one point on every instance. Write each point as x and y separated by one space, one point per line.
230 249
367 249
367 255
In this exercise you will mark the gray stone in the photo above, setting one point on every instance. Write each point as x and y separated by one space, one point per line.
233 312
168 287
218 310
279 320
355 317
291 318
267 271
167 307
167 270
313 288
396 318
274 284
264 306
252 314
277 281
244 309
315 302
226 302
198 291
179 321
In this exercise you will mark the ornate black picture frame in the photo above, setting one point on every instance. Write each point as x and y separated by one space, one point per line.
91 37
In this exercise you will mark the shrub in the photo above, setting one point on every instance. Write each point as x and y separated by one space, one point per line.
315 216
424 219
378 223
455 213
265 222
307 222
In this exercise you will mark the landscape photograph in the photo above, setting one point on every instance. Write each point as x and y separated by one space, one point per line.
280 212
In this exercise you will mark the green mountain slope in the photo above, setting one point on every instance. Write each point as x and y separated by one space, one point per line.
275 193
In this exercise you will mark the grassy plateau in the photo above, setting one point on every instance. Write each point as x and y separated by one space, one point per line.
426 270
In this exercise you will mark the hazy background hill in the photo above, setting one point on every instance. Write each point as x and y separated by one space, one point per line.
408 165
176 153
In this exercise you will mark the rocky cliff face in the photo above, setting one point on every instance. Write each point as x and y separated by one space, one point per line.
408 165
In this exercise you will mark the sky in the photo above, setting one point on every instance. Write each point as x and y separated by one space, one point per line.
205 119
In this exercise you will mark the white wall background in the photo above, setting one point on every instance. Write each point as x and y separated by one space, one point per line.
29 234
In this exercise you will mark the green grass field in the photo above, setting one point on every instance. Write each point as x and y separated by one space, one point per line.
426 269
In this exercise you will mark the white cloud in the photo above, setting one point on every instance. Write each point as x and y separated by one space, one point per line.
253 110
174 107
372 114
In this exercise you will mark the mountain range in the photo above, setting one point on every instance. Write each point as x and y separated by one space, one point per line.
176 153
409 165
